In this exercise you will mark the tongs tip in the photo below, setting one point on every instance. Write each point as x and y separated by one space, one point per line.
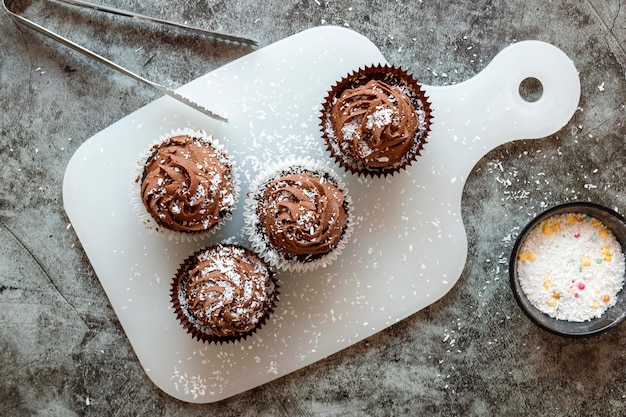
225 37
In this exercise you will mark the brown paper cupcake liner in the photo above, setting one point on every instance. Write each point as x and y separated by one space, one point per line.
201 331
146 218
257 235
392 76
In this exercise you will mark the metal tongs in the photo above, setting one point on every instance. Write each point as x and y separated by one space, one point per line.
217 35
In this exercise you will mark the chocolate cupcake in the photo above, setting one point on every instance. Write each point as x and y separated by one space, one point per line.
375 121
186 186
298 215
223 293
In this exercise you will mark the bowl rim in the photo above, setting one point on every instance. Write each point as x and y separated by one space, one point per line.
613 316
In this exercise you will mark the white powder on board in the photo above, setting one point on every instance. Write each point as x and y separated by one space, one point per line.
571 267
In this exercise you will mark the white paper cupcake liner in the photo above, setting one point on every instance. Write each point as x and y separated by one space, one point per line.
146 218
256 234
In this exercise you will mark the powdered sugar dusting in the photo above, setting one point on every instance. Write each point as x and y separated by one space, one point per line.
381 117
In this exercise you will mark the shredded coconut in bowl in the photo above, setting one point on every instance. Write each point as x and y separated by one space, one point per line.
571 267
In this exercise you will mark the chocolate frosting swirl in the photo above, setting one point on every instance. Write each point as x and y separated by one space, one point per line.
186 185
375 123
229 290
302 214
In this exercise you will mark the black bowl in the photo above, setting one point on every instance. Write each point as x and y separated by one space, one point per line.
613 316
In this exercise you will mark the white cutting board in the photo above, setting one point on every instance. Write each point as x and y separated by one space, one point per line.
409 247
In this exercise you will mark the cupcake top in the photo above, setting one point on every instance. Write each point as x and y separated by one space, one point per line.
375 121
298 214
186 184
302 214
223 293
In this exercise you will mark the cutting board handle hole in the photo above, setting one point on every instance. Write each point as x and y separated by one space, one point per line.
530 89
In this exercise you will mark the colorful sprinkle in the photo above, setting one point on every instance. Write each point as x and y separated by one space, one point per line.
527 256
550 227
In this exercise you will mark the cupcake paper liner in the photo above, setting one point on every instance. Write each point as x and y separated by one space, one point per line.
392 76
200 331
135 189
257 234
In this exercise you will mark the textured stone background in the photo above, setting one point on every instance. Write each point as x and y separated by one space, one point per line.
63 352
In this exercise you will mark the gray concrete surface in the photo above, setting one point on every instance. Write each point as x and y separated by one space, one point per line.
62 350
